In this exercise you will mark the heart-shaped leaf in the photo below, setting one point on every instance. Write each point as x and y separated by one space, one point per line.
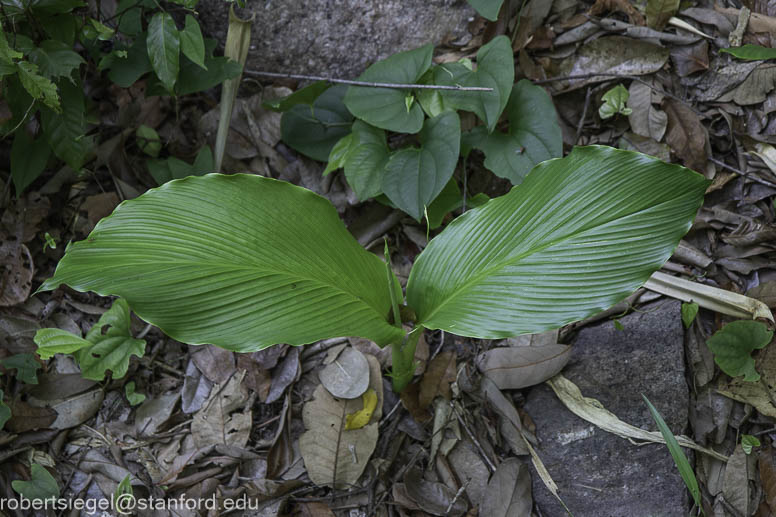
487 8
495 69
387 108
365 165
733 344
533 136
219 259
415 176
577 236
314 129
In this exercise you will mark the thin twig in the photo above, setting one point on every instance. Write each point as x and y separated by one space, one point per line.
752 177
584 116
368 84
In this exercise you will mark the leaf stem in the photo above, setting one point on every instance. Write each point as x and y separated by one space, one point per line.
403 358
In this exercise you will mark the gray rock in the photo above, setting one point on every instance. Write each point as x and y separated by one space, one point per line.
337 38
599 474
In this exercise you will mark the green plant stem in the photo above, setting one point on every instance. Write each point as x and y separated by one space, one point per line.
403 357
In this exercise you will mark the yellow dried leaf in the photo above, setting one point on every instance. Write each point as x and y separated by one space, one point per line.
361 417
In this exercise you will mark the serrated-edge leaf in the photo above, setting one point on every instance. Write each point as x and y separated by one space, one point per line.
52 341
56 59
37 86
163 42
386 107
217 259
192 43
577 236
414 177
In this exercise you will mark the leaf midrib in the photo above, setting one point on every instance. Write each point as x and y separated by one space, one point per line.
500 264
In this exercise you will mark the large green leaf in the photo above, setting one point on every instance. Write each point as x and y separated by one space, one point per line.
56 59
577 236
415 176
192 44
495 69
164 47
387 108
313 130
487 8
28 159
239 261
533 136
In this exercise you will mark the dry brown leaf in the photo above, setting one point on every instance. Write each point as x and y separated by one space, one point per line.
219 421
332 455
509 491
22 218
735 486
659 12
25 417
100 205
623 6
284 375
768 476
522 366
410 400
215 363
72 410
315 509
755 88
765 292
686 135
437 379
16 269
646 119
431 497
689 59
613 55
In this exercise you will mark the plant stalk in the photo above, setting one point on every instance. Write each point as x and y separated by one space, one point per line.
403 357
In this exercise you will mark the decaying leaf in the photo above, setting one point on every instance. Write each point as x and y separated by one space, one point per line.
735 486
436 381
347 376
689 59
15 272
613 55
519 367
332 455
768 476
646 119
660 11
219 421
755 88
72 410
756 393
593 411
361 417
509 491
431 497
686 135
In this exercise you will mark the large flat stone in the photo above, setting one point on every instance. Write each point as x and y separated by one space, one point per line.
337 38
600 474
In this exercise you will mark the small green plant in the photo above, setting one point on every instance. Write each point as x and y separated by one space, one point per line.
733 344
245 262
43 79
356 128
615 101
685 469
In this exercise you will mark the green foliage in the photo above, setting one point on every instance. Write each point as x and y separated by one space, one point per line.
26 367
733 344
42 75
532 137
750 52
242 273
748 442
689 312
148 140
321 125
173 168
615 101
5 411
685 469
41 485
487 8
133 397
108 345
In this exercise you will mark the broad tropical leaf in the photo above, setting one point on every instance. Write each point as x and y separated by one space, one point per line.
495 69
577 236
220 259
533 135
387 108
414 177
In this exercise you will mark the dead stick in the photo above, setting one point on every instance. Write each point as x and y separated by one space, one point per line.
368 84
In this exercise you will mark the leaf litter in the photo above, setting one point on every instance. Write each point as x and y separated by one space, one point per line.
215 422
